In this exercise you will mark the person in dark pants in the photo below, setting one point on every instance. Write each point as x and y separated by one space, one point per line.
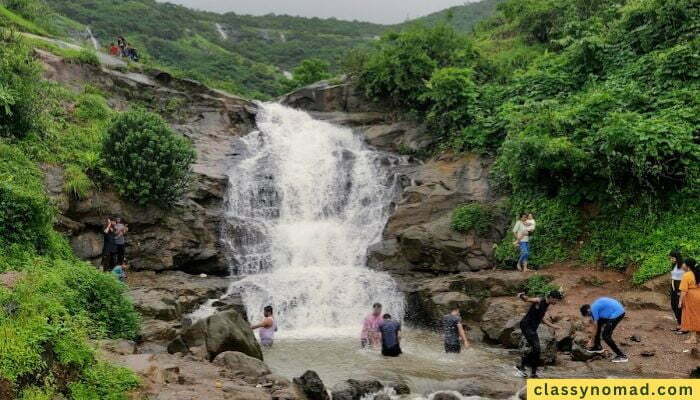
120 230
109 248
391 336
676 277
454 332
529 325
606 314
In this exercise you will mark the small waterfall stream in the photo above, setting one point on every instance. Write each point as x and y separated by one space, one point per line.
93 39
306 200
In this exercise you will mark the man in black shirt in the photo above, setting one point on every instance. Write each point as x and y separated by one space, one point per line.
530 323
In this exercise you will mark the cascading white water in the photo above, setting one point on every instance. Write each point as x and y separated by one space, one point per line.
305 202
93 39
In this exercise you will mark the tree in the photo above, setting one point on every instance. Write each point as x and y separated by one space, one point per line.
146 159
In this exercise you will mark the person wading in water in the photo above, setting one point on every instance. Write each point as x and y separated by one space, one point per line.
391 336
267 327
454 332
370 335
529 325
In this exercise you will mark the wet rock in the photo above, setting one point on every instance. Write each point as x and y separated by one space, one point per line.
522 393
240 363
501 319
122 347
354 390
400 388
239 392
221 332
178 346
382 396
312 386
638 300
445 396
153 330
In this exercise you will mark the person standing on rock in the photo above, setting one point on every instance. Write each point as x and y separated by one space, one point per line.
454 332
267 327
529 325
677 273
690 300
120 230
522 241
109 248
606 314
391 336
370 336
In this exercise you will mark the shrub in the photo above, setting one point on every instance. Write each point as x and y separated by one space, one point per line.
539 285
25 217
85 57
77 182
452 95
92 107
19 90
147 160
475 216
104 382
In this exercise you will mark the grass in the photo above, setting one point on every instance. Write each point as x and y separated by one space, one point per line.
9 19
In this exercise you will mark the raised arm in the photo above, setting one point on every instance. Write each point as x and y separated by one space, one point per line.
527 299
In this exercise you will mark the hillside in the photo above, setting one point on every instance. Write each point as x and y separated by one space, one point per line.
590 111
247 55
463 18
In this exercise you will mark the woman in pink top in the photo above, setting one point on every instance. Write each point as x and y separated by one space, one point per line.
267 327
370 328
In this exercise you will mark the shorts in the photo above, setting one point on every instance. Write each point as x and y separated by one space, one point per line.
524 251
391 351
453 348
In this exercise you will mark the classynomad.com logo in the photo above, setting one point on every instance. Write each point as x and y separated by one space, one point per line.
613 389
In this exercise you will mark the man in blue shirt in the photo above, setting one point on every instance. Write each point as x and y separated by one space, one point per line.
391 336
606 314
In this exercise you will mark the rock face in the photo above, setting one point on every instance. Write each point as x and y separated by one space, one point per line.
312 386
219 333
186 237
639 300
242 364
355 390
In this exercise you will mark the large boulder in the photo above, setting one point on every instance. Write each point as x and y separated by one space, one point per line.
501 320
312 386
219 333
239 363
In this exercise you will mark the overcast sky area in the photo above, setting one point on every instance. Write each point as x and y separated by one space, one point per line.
379 11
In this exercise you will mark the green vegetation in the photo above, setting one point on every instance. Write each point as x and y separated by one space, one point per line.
462 18
475 216
308 72
539 285
583 105
147 161
53 305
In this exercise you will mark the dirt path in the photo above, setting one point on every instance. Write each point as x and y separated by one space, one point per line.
583 284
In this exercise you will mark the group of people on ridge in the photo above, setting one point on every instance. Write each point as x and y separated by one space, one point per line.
123 49
685 295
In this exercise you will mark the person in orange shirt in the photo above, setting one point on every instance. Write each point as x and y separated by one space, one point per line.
690 300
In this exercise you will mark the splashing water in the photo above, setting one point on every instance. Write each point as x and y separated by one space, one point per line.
304 204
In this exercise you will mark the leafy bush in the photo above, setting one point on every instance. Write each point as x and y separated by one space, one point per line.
147 160
19 90
401 64
475 216
25 217
452 95
309 71
92 107
539 285
104 381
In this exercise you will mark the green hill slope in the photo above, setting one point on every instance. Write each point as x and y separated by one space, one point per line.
590 109
463 18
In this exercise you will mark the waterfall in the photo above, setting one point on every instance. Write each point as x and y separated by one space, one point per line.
305 200
93 39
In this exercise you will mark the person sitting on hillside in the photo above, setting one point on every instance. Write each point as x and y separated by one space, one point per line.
690 300
370 336
522 240
132 54
606 314
529 325
391 336
121 42
113 50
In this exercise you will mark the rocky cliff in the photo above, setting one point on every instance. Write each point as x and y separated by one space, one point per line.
186 237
